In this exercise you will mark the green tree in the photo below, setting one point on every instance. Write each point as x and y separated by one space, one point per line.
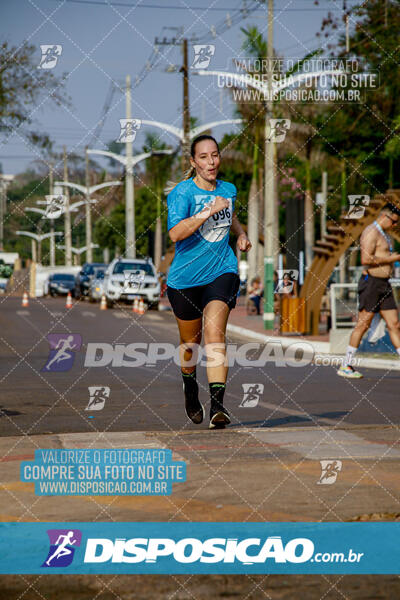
22 87
158 169
358 132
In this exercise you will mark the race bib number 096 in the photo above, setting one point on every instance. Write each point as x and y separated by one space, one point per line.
217 226
223 218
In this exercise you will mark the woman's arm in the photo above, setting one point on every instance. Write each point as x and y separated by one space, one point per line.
187 227
243 241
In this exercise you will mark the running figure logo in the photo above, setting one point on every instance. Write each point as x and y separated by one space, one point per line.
357 205
286 280
98 395
62 351
251 394
330 470
50 56
61 552
202 55
133 281
279 129
55 206
128 130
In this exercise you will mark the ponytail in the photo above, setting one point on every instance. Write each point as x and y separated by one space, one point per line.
171 184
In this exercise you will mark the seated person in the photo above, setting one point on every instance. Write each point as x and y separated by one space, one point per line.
254 295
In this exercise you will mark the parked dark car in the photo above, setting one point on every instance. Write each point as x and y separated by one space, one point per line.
84 278
61 284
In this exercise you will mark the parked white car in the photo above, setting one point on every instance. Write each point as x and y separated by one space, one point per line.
128 278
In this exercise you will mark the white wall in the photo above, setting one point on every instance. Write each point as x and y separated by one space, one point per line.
43 273
9 257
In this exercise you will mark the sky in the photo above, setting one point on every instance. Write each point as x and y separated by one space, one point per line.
104 40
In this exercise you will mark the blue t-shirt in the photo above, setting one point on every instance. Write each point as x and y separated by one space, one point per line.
206 254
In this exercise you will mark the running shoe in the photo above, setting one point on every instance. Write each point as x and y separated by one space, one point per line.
219 416
349 372
193 406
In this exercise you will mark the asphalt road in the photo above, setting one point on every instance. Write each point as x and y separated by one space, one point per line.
149 397
265 467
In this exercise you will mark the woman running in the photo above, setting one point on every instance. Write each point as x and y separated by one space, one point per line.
203 280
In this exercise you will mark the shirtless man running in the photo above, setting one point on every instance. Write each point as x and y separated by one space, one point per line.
375 293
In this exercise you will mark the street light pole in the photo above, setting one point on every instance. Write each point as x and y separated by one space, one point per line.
130 229
78 251
52 243
67 217
186 108
38 238
89 255
87 191
269 189
130 243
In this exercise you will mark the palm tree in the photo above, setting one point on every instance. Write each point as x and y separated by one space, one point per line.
253 114
158 169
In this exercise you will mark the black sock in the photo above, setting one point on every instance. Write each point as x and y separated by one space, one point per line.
190 382
217 391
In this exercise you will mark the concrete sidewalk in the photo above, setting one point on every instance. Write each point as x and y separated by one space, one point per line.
232 475
239 474
252 328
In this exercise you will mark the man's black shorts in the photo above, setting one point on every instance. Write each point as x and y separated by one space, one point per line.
189 303
375 294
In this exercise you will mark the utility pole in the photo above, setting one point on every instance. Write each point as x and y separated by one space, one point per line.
130 233
325 202
52 241
89 255
158 234
269 188
67 217
186 108
183 42
253 216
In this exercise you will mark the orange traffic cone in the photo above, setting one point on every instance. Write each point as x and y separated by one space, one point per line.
141 307
25 299
68 303
103 303
135 307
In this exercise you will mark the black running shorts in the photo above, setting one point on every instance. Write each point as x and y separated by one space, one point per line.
189 303
375 294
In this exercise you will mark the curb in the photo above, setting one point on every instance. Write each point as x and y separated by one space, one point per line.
318 347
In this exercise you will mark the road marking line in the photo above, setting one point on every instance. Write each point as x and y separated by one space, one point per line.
17 457
317 444
297 413
154 317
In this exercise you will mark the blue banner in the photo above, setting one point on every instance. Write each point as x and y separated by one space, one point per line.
212 548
